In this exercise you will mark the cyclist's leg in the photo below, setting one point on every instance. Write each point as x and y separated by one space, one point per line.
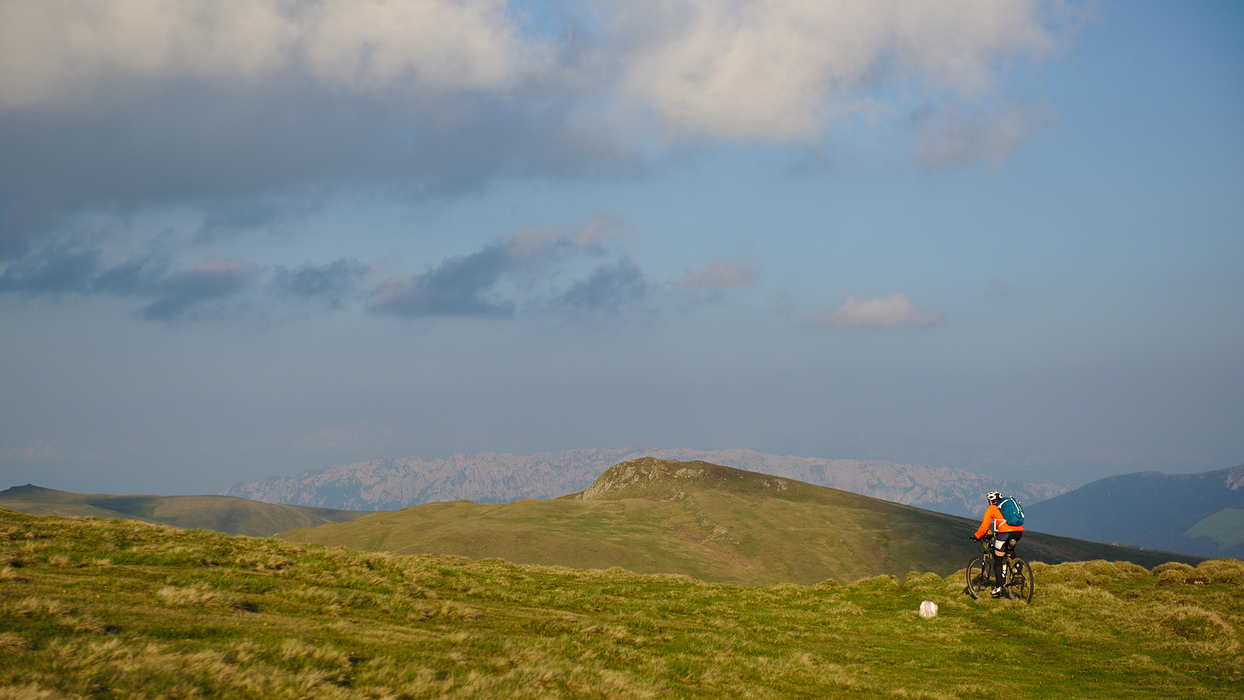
1012 539
999 556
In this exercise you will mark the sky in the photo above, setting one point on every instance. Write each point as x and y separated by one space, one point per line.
241 238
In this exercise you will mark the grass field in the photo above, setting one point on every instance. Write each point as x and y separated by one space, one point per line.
119 609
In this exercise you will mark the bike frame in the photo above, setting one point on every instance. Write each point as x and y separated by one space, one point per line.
1016 571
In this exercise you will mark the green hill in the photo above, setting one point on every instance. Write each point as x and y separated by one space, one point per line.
706 521
1199 513
124 609
234 516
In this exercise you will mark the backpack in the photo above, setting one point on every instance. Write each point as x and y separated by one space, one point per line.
1012 511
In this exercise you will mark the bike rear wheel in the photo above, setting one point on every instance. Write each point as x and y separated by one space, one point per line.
1020 584
980 577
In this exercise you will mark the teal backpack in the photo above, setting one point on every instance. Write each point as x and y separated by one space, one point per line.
1012 511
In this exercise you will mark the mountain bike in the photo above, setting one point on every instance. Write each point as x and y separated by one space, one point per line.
1015 571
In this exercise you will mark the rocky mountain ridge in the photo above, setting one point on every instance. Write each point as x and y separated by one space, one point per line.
490 477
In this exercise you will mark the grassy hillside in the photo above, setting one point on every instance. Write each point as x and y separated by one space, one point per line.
234 516
92 608
1199 513
710 522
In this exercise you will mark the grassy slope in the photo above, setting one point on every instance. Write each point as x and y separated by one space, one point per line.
234 516
710 522
126 609
1185 512
1225 528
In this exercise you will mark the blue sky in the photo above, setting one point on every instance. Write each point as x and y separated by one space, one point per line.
249 237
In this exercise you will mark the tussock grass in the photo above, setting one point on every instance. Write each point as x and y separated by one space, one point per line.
1089 573
28 692
196 596
1228 571
179 614
11 642
1172 566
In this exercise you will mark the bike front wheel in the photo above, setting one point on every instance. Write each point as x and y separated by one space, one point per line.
1019 584
980 576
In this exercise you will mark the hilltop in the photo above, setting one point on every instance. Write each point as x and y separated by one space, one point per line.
489 477
1200 513
712 522
94 608
228 514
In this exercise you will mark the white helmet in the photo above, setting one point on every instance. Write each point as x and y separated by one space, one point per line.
994 496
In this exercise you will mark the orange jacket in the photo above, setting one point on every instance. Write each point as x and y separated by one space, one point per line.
994 516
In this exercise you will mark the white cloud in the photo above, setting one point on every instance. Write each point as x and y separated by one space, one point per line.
749 69
50 48
375 43
891 312
223 101
776 69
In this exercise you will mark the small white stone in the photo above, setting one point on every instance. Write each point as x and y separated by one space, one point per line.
928 609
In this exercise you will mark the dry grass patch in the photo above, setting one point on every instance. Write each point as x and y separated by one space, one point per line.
198 596
1172 566
29 692
1228 571
917 579
1171 577
1195 624
1086 573
11 642
36 606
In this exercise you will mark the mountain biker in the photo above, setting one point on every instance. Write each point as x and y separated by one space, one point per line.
994 522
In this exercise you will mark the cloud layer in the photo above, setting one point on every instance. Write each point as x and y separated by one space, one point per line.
565 272
129 103
51 50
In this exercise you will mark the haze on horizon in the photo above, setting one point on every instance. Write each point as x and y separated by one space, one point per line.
251 237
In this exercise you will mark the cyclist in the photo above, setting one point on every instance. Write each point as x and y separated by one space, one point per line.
995 523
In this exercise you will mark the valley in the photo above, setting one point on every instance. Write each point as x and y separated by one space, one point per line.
228 514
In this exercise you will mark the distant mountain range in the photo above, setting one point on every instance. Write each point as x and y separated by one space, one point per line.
1198 513
235 516
711 522
489 477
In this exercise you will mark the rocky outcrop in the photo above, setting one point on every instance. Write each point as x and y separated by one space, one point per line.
649 477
